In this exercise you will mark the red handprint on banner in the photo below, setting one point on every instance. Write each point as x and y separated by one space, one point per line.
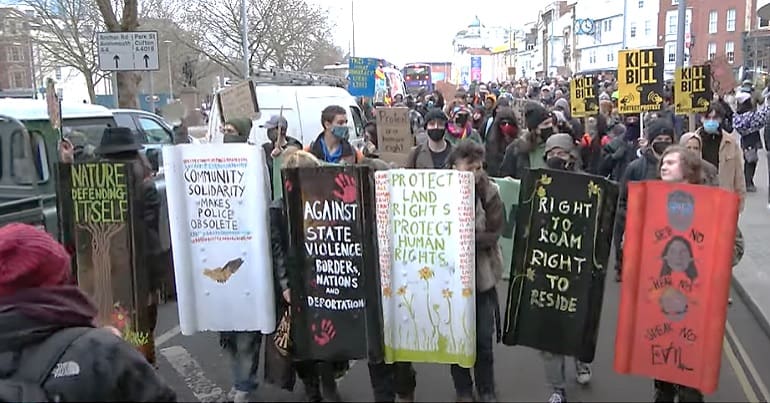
347 185
287 185
324 333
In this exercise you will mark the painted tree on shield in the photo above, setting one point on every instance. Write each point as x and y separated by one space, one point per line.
101 261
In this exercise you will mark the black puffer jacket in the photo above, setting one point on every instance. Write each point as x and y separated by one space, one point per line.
97 367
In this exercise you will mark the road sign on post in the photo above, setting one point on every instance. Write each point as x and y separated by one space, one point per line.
128 51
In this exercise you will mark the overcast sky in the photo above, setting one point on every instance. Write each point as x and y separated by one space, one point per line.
403 31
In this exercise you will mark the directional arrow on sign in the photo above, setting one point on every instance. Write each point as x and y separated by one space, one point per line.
117 60
146 61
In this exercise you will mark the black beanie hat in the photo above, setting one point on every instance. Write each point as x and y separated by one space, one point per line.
435 114
534 115
659 127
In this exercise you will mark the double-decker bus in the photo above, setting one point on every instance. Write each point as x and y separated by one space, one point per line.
417 77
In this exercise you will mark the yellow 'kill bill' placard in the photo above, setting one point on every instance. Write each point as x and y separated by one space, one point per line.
640 80
692 89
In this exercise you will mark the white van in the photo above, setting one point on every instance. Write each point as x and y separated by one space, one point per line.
302 107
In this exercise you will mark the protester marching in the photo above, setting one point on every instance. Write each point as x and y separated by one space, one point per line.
436 227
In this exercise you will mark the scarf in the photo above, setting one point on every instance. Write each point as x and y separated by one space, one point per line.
63 305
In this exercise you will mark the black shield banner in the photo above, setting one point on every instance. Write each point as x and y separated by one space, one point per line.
563 231
333 271
101 209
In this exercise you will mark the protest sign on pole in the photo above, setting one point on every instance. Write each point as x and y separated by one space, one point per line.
640 80
584 96
692 90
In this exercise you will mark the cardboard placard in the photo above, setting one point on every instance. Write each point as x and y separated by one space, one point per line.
239 102
394 135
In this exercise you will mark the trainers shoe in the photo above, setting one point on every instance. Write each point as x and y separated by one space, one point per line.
618 277
241 397
557 397
405 398
489 398
584 375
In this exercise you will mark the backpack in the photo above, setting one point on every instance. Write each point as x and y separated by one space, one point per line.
37 363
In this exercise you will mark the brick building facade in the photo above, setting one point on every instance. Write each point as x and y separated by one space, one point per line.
15 51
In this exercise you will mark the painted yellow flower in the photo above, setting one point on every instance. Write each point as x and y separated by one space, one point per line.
467 292
541 191
593 189
531 274
545 179
426 273
447 293
387 292
401 290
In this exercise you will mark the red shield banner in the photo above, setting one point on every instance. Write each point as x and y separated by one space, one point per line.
677 261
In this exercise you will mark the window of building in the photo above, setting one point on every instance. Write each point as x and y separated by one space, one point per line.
674 2
607 25
712 50
633 30
12 27
730 51
17 79
592 56
671 52
763 23
641 3
713 20
14 54
731 20
611 56
647 28
671 28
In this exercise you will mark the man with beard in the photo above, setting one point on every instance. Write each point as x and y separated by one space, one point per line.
660 135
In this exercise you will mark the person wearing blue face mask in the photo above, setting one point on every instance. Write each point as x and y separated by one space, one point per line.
332 145
722 149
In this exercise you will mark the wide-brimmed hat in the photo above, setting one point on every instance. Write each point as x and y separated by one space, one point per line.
117 140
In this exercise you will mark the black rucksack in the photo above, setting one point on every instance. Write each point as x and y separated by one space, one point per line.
25 384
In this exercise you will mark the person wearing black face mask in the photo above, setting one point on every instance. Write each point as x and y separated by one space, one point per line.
432 153
528 149
621 150
660 135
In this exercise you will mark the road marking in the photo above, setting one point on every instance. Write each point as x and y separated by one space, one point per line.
743 380
749 364
204 389
165 337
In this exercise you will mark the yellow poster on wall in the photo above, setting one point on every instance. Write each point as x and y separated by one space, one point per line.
583 96
692 89
640 80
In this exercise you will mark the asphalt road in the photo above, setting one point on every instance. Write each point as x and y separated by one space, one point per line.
198 370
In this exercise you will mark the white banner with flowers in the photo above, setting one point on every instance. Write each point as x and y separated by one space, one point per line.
426 233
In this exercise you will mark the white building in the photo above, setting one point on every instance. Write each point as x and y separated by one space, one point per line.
529 56
642 24
479 36
598 34
472 57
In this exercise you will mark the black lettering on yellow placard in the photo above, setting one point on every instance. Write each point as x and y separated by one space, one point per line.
99 193
692 92
640 83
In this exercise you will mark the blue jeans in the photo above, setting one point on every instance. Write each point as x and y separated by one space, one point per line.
243 350
483 370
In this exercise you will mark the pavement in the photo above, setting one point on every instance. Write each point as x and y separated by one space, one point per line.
198 370
752 275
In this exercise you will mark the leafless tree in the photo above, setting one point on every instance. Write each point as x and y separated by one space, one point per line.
66 36
282 34
122 16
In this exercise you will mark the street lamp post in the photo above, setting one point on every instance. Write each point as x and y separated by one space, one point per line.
170 80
